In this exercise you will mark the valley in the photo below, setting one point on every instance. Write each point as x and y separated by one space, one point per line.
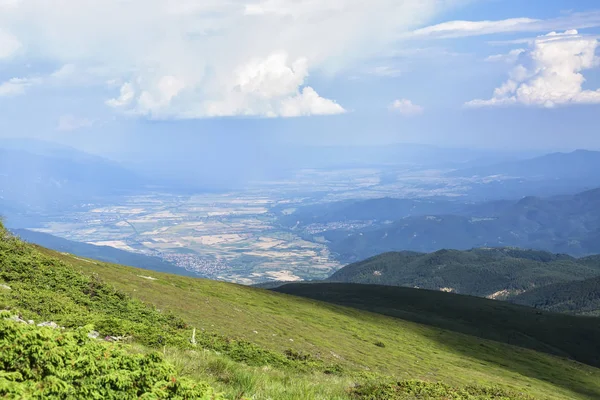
309 222
238 236
227 237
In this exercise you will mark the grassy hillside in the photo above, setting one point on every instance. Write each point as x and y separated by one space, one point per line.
579 297
496 273
102 253
253 343
559 334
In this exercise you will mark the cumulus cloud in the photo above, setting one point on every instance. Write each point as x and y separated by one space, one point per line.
553 75
406 107
510 58
268 87
307 103
455 29
194 59
67 123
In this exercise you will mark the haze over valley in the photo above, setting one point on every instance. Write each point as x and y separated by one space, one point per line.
310 221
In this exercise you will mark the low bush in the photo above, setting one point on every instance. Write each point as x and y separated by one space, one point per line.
42 362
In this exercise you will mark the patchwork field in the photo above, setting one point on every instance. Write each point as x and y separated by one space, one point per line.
228 237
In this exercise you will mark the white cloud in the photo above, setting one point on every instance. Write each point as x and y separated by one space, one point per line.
406 107
9 45
309 103
19 86
454 29
265 87
126 96
65 72
509 58
16 86
68 123
553 76
193 59
386 71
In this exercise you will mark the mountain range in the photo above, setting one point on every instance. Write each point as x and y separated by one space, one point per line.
47 177
579 164
495 273
561 224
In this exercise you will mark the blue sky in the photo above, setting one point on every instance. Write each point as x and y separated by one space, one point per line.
106 75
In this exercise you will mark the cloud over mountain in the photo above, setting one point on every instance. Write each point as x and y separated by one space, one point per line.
196 59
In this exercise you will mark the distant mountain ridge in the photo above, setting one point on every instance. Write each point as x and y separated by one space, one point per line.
576 164
50 177
381 209
496 273
560 224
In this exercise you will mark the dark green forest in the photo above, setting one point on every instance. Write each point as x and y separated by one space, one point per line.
498 273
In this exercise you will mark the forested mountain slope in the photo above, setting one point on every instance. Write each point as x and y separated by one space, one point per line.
578 297
487 272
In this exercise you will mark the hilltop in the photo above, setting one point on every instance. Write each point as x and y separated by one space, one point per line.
497 273
253 343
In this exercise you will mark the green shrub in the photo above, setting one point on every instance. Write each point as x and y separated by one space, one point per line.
297 355
414 389
41 362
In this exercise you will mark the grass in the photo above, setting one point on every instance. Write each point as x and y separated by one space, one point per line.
258 344
237 380
559 334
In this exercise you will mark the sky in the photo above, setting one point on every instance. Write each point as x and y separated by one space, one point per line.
148 76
